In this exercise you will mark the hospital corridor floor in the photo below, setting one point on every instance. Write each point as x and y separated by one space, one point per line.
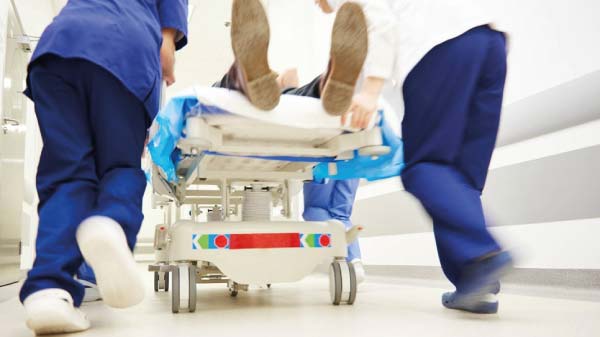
383 308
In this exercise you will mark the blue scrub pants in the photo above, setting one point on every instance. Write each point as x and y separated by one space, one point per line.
453 99
333 200
93 130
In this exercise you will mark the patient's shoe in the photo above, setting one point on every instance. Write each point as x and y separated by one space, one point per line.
251 73
104 246
51 311
349 45
476 292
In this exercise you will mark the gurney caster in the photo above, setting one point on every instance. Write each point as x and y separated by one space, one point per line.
183 287
342 282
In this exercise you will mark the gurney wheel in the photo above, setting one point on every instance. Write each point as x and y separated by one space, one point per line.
161 284
233 289
156 281
342 282
183 288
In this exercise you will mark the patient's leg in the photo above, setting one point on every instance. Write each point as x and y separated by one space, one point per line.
348 52
312 89
285 80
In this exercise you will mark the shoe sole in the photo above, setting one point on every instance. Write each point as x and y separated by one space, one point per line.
473 302
49 319
104 246
349 46
481 309
250 36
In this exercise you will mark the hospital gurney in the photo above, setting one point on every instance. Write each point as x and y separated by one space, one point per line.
241 168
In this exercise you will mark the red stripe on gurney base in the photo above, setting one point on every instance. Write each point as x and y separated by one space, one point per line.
278 240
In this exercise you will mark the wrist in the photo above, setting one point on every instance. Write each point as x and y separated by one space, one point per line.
372 86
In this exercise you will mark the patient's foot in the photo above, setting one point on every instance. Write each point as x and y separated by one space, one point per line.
250 42
349 44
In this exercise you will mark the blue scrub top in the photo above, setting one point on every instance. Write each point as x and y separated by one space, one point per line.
122 36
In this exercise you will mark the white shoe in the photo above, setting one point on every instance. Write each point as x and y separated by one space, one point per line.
92 294
51 311
104 246
359 269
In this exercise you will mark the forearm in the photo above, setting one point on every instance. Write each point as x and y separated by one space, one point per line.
372 86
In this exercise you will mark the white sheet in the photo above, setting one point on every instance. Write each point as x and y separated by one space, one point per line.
295 111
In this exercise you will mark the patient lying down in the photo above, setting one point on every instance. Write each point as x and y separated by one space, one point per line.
251 75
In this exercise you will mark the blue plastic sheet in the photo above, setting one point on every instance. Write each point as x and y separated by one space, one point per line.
368 167
169 124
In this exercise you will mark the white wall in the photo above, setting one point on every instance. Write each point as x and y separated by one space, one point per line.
3 23
551 42
34 15
559 245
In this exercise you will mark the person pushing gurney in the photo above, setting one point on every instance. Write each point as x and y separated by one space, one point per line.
449 66
94 79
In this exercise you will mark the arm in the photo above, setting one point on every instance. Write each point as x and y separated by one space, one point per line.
173 16
173 21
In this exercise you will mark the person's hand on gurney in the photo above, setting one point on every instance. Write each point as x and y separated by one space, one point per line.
364 104
167 55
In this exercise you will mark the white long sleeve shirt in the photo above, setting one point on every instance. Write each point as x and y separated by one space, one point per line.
401 32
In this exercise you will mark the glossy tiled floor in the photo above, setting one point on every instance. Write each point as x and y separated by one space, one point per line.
303 309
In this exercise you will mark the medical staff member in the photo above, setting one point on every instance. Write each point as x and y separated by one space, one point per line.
449 66
95 78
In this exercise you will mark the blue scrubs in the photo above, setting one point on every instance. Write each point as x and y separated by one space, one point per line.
95 81
121 36
332 200
453 99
